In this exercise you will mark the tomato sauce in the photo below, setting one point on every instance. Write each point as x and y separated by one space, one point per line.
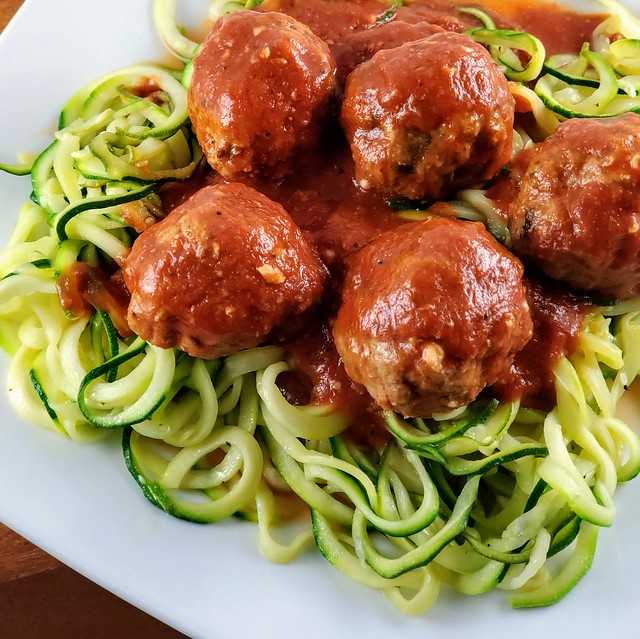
561 30
339 218
505 187
83 288
557 320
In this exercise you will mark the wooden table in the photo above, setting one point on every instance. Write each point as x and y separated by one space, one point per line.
40 597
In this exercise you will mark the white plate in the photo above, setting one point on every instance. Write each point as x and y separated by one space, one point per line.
79 503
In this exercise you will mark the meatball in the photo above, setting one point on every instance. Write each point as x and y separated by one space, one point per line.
432 312
220 273
261 90
428 117
359 46
577 213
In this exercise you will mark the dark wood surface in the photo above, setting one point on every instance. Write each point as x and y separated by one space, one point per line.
41 597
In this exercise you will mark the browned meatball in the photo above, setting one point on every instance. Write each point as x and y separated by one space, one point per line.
262 87
432 312
577 214
428 117
359 46
220 273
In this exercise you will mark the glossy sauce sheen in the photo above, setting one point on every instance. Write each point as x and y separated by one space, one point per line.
437 339
221 273
360 216
338 218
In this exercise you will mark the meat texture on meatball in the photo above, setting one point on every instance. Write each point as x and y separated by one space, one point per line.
577 213
220 273
261 90
428 117
432 312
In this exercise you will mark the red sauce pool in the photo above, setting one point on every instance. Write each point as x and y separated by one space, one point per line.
557 319
83 287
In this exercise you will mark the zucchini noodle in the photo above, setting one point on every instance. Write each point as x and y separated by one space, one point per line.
476 499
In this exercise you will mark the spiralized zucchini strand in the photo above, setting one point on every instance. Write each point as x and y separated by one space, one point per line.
627 24
598 83
476 499
170 33
506 47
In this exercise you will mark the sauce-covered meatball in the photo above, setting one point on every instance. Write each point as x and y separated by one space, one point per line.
428 117
261 90
432 312
577 213
359 46
220 273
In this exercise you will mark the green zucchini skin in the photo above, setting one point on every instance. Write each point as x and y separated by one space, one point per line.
473 501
